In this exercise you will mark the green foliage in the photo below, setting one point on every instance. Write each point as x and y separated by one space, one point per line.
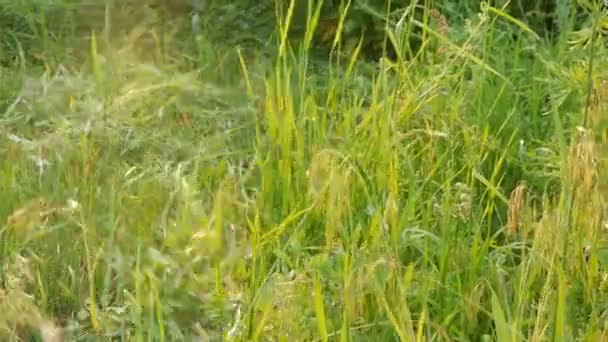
200 171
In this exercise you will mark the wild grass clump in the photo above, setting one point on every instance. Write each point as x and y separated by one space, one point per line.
161 183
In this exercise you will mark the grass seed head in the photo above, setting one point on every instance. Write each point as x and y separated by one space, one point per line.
516 208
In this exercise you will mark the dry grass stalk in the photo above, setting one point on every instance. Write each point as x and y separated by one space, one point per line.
516 208
582 163
598 107
598 114
20 313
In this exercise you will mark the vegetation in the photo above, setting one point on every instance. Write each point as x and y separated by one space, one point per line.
292 171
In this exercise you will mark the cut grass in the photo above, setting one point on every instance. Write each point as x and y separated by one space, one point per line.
217 193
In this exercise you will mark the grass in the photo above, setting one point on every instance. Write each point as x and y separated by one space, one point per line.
165 185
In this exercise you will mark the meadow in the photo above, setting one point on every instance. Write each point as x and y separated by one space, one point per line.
303 171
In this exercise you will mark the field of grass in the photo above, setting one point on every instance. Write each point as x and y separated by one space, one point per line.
169 176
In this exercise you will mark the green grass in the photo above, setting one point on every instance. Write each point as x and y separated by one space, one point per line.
241 185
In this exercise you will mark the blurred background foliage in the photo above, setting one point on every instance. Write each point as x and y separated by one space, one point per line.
27 24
